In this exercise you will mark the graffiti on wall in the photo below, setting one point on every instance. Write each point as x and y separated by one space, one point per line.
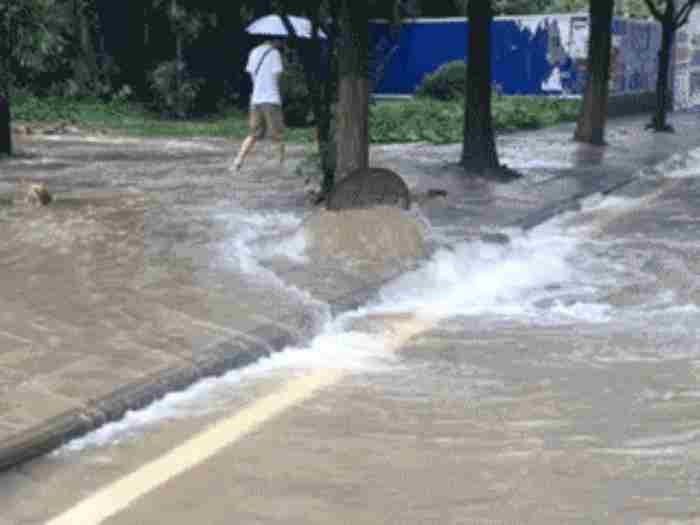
686 77
633 55
633 58
638 46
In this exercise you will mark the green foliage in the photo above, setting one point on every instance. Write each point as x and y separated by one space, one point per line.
420 120
185 23
174 90
445 83
436 122
295 94
520 7
514 113
124 116
636 8
30 108
630 8
567 6
31 41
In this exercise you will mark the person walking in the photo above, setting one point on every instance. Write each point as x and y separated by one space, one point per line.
266 118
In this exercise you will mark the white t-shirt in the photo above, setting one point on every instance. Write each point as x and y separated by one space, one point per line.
266 82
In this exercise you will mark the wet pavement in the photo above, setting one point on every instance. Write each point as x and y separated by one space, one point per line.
154 255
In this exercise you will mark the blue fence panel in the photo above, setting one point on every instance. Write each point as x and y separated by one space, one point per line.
521 61
530 55
418 49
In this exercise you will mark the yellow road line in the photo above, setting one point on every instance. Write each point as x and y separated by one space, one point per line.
117 496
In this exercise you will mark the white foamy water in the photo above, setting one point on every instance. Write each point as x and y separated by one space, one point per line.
598 202
336 347
679 166
251 238
95 139
189 146
476 278
520 162
540 277
167 144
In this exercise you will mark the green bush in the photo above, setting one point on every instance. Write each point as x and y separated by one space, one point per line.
511 113
419 120
416 120
169 98
445 83
31 108
295 95
436 122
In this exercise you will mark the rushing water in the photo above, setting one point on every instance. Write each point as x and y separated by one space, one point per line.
575 345
565 273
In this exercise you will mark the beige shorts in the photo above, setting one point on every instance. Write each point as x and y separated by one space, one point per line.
267 119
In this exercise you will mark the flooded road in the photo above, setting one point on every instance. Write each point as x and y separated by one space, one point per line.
554 379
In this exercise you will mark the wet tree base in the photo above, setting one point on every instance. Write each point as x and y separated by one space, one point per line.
500 173
317 198
666 128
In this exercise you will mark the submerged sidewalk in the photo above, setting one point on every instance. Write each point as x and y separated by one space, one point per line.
121 291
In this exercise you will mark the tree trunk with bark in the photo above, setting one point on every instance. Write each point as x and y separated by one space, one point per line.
85 64
320 73
6 43
479 144
591 120
133 57
179 58
671 20
323 112
5 130
352 114
658 120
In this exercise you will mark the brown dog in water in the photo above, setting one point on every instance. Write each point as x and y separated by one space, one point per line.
38 194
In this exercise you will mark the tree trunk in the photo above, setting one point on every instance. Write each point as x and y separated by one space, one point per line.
179 59
5 83
5 132
86 69
179 76
658 121
133 59
352 117
479 145
324 98
319 72
591 121
352 124
323 114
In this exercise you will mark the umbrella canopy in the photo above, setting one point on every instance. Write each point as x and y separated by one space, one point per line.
272 25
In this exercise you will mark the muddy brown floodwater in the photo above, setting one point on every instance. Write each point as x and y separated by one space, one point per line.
551 379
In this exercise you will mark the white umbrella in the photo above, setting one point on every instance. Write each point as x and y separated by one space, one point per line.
272 25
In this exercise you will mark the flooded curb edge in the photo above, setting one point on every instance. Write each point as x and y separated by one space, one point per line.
267 339
603 186
224 357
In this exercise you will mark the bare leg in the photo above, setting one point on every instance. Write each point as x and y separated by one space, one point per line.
246 147
280 146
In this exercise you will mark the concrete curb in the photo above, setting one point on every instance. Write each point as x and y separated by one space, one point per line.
572 203
57 431
215 361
